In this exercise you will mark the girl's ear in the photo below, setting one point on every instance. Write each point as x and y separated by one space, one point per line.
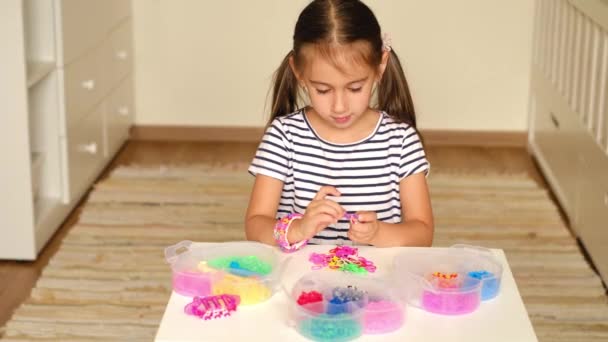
383 63
292 65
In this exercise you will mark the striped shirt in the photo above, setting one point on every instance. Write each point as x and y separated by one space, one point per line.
367 172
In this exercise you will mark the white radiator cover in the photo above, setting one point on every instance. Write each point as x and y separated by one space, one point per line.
569 114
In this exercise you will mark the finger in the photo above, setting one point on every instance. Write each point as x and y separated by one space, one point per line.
322 221
356 236
359 228
335 208
326 207
366 216
351 236
326 190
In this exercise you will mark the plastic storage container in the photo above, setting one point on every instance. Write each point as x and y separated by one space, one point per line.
485 267
451 281
330 306
247 269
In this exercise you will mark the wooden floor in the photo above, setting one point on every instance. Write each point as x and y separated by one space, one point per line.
18 278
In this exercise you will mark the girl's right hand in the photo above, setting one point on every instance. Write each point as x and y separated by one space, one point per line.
321 212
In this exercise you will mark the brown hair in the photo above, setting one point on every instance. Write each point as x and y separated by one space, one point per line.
332 26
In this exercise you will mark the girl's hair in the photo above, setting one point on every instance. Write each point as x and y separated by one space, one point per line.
334 27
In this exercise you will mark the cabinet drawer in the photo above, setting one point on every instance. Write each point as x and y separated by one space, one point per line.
591 222
558 133
118 54
117 11
86 23
85 155
118 113
83 26
84 85
554 140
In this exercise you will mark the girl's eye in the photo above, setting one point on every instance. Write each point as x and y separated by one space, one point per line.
325 91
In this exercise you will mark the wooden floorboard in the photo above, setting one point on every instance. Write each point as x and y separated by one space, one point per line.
18 278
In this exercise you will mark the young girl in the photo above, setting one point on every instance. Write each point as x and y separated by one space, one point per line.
338 171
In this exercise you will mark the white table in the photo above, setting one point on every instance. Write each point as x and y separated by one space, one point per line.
503 318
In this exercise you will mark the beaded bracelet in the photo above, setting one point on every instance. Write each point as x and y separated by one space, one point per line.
280 233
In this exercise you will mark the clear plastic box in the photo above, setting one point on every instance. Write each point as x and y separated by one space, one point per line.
317 312
247 269
452 281
485 267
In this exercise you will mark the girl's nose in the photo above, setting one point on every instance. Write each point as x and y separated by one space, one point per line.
339 103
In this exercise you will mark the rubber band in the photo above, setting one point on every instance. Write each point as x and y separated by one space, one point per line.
280 233
212 307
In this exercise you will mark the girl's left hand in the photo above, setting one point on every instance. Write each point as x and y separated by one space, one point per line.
365 228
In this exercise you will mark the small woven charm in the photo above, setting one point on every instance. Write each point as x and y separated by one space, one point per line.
212 307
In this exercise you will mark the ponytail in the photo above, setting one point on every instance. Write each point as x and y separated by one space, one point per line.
284 90
394 94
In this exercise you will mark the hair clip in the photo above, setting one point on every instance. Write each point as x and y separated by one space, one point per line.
387 42
212 307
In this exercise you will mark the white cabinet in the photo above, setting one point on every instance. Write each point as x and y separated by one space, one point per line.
66 108
569 115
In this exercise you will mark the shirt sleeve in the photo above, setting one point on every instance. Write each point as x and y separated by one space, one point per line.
413 158
273 156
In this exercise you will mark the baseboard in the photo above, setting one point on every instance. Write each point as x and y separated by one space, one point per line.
253 134
197 133
475 138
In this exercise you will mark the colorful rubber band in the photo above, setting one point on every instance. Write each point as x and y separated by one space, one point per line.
212 307
280 233
343 258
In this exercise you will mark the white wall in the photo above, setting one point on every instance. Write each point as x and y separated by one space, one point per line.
210 63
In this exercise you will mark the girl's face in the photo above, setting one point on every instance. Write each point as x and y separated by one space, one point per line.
339 97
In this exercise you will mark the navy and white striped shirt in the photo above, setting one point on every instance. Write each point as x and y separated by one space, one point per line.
366 172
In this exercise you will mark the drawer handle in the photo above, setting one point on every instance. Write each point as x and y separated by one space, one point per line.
554 120
90 148
123 110
88 84
122 54
606 199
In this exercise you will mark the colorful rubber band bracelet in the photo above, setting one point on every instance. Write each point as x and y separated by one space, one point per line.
280 233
